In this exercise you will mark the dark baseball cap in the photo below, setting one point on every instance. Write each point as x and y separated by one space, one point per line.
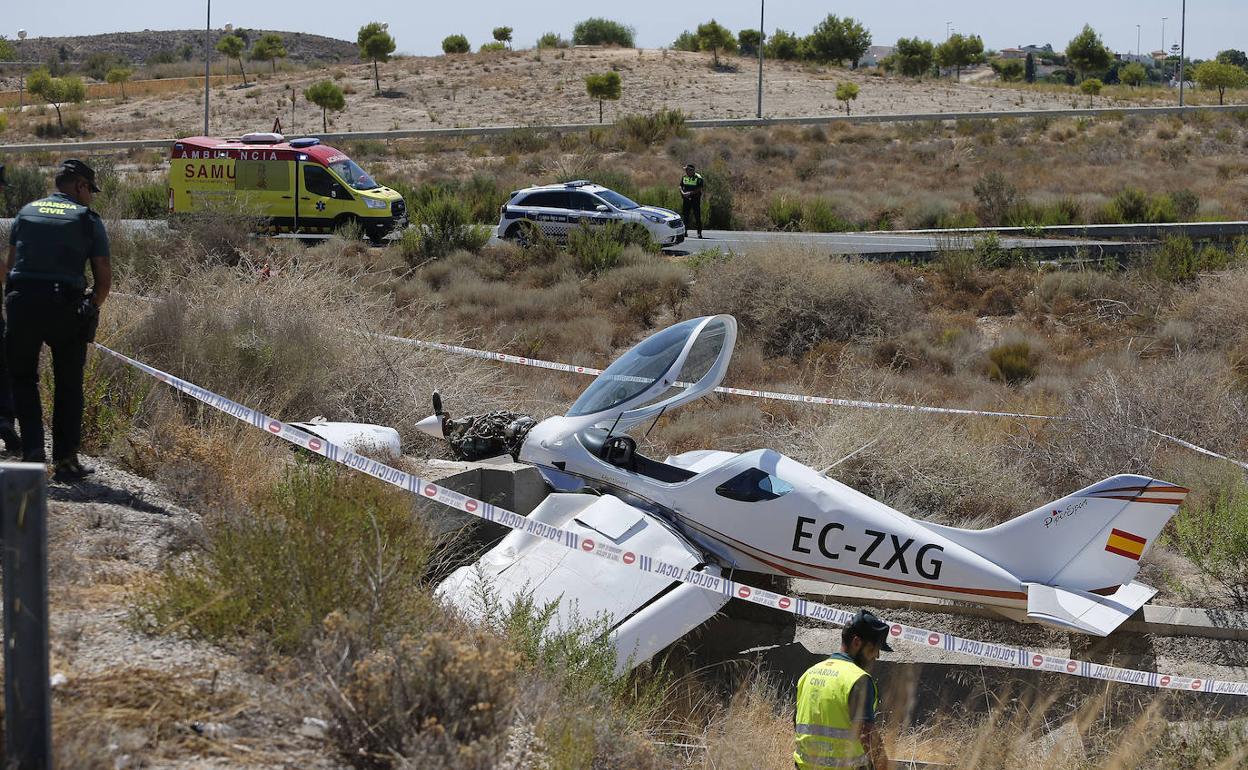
80 169
870 628
688 165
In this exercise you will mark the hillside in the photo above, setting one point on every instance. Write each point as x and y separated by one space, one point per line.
544 87
145 46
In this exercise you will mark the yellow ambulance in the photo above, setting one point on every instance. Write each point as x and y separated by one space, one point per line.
300 185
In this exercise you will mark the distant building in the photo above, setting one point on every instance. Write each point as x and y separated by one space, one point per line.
1039 51
1013 53
874 54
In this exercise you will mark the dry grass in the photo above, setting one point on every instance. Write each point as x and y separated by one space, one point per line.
410 690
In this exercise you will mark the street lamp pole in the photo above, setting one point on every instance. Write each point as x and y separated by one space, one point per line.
1182 50
1137 39
1163 34
21 72
762 11
207 62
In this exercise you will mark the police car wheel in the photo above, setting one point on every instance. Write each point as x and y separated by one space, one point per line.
525 234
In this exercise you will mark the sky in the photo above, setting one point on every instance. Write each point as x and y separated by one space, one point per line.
419 26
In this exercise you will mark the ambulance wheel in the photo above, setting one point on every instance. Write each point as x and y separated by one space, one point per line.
377 235
343 222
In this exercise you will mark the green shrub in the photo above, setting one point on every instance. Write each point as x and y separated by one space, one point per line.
443 225
818 216
1179 259
520 141
653 128
785 212
455 44
996 196
494 46
25 184
664 196
718 199
1012 363
686 41
147 201
1186 204
551 40
1130 206
598 31
324 540
598 249
1213 533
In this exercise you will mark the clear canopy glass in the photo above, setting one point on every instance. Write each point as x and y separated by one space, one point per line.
651 361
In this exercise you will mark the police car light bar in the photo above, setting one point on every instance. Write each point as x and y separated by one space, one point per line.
578 183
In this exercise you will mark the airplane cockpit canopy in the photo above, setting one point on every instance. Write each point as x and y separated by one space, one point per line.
671 367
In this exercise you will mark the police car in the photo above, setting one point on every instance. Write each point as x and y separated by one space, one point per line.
557 209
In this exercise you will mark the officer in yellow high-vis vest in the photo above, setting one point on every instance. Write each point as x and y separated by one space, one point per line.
837 702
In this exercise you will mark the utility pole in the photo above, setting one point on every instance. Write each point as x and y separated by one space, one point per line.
762 11
21 72
1137 39
1182 51
1163 34
207 62
948 28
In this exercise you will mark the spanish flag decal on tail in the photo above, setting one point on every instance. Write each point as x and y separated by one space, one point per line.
1125 544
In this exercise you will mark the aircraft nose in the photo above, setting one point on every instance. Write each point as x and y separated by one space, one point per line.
431 425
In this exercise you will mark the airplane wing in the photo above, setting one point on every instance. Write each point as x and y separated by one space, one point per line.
647 611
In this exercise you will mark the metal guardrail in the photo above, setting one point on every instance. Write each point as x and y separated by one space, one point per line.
27 696
814 120
1194 230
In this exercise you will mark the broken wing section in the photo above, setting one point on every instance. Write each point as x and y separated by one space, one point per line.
647 611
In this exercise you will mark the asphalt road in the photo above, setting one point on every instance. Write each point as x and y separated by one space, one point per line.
881 245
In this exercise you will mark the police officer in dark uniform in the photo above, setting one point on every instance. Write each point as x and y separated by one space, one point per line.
691 185
46 301
7 432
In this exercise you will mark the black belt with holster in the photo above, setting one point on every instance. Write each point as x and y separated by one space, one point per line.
62 293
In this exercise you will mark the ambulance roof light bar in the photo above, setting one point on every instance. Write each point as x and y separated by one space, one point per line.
306 141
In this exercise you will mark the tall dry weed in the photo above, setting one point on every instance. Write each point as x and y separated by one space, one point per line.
790 301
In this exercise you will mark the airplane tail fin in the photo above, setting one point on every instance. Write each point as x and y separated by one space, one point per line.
1087 543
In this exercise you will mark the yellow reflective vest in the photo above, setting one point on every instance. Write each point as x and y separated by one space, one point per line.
826 737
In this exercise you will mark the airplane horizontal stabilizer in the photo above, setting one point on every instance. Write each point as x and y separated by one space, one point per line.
1084 612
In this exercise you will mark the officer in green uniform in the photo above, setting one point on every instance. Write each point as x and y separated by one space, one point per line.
837 702
7 432
691 185
46 302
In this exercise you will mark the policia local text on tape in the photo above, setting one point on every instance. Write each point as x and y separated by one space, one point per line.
46 302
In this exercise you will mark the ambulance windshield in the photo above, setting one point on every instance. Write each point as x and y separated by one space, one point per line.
349 172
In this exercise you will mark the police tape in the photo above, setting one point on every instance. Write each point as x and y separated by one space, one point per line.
774 396
1007 655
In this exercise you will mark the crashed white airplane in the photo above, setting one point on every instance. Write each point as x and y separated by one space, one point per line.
1070 564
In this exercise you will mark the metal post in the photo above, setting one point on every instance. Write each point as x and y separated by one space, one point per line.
762 36
21 72
1137 39
1182 51
207 61
1163 34
27 700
